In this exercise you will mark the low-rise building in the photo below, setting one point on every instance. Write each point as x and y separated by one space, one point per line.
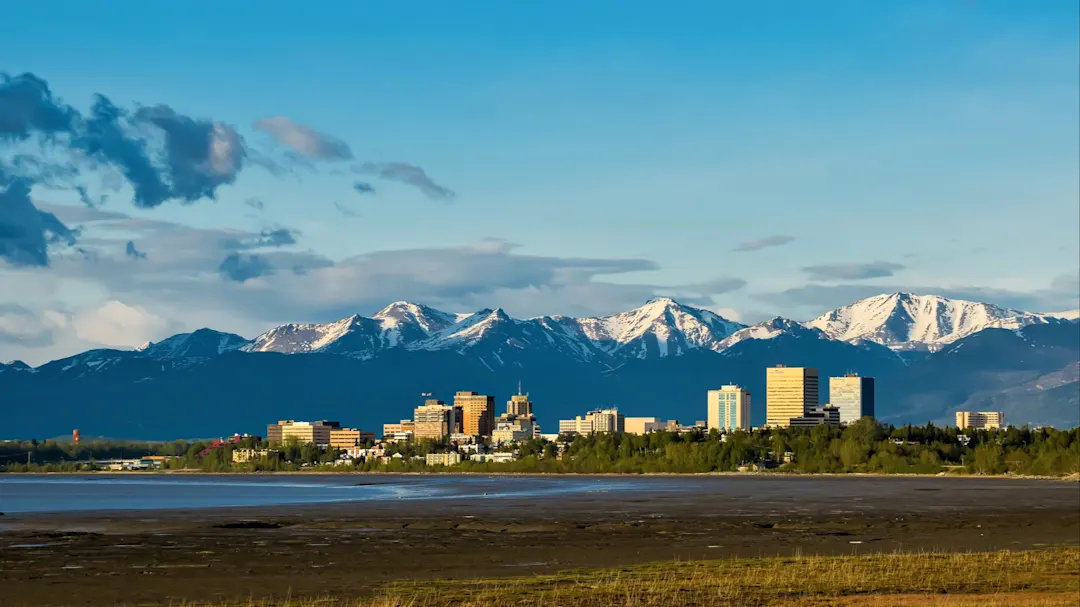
495 458
816 416
980 420
240 456
443 459
305 433
511 428
597 420
405 425
341 438
642 425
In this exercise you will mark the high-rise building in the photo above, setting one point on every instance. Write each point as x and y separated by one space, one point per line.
433 419
478 411
519 404
853 396
729 408
789 393
980 420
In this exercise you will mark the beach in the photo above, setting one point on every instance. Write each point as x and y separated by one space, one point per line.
407 527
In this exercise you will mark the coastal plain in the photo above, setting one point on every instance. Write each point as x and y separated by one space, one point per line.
352 549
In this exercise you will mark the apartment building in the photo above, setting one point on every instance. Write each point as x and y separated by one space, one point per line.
789 393
729 408
642 425
433 419
241 456
443 459
853 396
980 420
477 411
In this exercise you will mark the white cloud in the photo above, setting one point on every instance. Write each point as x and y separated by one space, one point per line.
117 324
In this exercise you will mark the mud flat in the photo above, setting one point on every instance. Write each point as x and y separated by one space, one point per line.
483 527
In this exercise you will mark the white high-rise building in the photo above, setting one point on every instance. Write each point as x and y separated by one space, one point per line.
729 408
853 396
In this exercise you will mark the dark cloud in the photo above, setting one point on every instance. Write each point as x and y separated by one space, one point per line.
27 106
404 172
364 187
132 252
239 267
25 231
775 240
200 155
276 237
344 210
303 140
255 203
852 271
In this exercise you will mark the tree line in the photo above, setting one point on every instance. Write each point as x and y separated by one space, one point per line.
862 447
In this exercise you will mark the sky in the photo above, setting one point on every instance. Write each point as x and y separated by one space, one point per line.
173 165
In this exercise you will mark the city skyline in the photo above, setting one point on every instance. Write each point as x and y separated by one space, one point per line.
885 115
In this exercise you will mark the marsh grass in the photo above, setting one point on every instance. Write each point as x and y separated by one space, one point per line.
1028 579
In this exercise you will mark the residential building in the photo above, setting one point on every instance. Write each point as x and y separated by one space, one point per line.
433 419
729 408
308 432
789 393
495 458
597 420
642 425
443 459
980 420
405 425
816 416
341 438
853 395
240 456
478 412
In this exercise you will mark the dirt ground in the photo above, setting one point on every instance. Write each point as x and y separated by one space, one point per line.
349 549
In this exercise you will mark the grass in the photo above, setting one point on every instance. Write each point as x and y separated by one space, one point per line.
1026 579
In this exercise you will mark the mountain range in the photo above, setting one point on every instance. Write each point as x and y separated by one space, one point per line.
931 356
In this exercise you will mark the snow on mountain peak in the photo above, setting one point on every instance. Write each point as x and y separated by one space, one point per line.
909 321
769 329
661 327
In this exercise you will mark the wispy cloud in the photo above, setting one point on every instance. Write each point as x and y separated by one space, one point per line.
852 271
304 140
410 174
775 240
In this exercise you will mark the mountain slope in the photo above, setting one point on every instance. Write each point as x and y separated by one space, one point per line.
905 321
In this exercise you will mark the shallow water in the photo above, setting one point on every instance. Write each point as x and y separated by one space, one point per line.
68 493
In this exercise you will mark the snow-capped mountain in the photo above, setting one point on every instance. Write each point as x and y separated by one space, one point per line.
770 329
662 327
1066 315
904 321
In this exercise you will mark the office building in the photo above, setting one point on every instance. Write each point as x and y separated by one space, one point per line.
405 425
513 429
597 420
729 408
789 393
853 396
273 431
443 459
519 404
642 425
478 413
305 433
980 420
816 416
434 419
342 438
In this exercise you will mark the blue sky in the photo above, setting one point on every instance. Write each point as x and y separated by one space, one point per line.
599 153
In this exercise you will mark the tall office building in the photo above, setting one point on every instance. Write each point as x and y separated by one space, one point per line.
433 419
980 420
729 408
478 411
853 396
789 393
519 404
